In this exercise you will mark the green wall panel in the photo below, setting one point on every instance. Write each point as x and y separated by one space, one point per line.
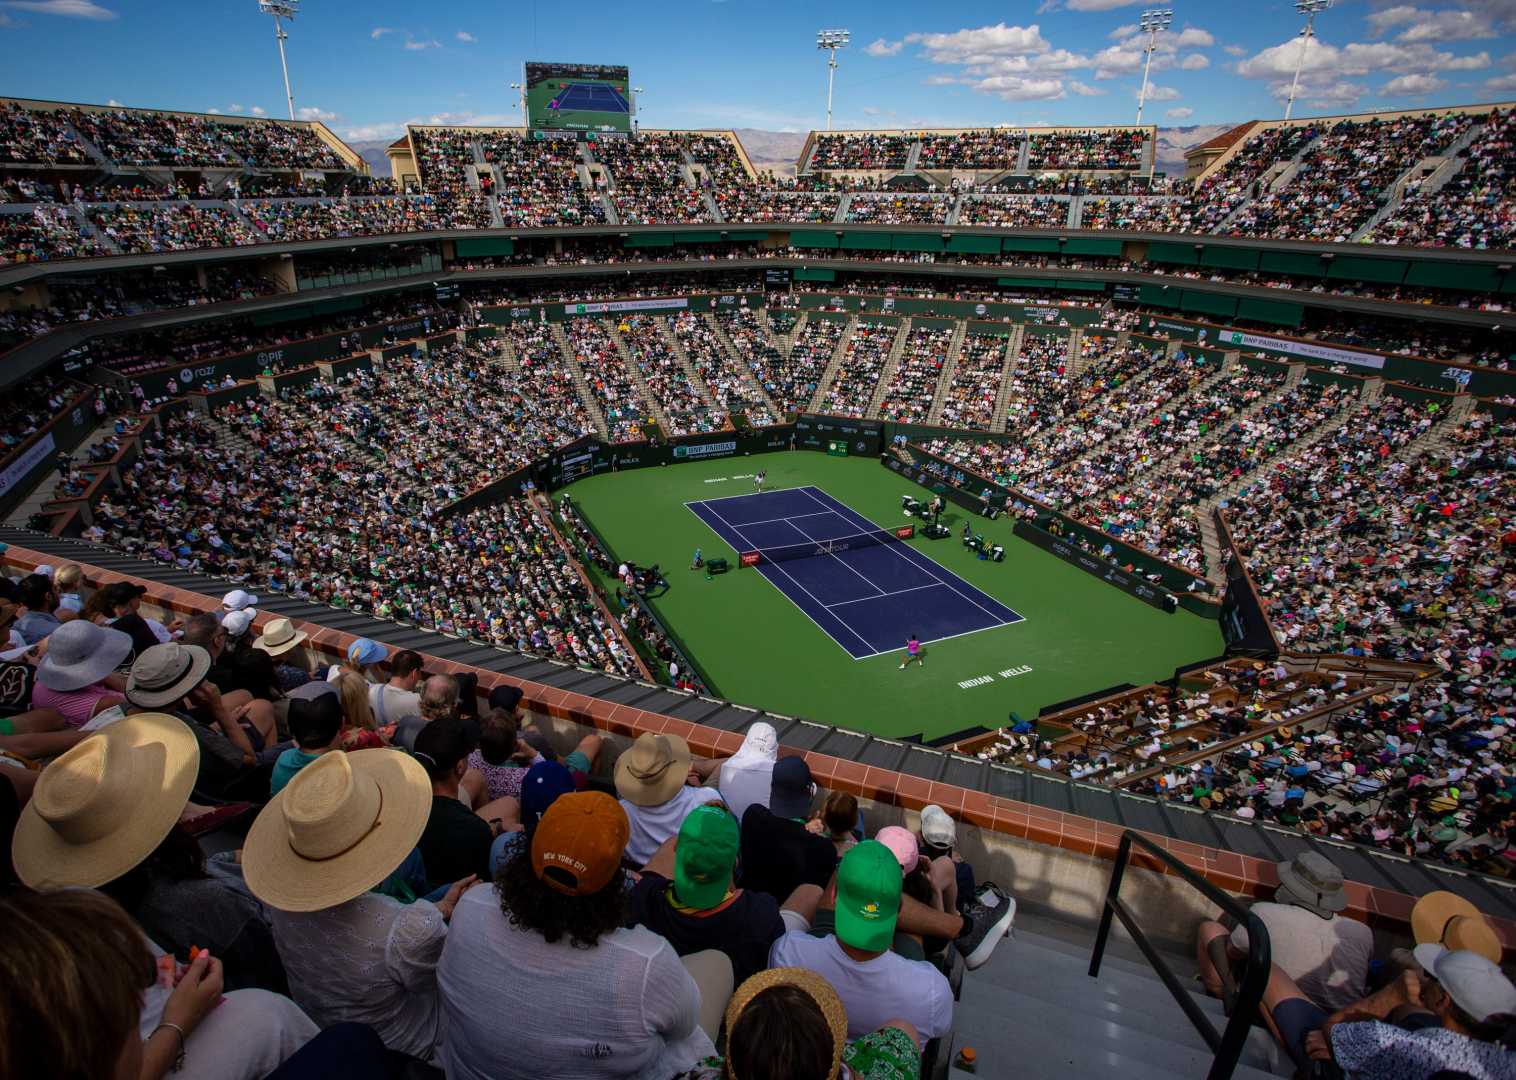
748 236
1086 246
1290 262
1081 286
654 239
1229 257
918 242
1208 303
1030 243
1158 296
813 238
697 238
1454 276
815 273
1271 311
485 246
1358 268
866 241
1026 282
976 245
1178 254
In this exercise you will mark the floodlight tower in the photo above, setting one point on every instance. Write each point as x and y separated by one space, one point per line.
1310 9
520 88
282 9
1152 21
636 97
831 41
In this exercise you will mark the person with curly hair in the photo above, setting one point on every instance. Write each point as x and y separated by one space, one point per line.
587 996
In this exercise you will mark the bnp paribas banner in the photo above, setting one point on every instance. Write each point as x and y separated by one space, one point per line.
1308 349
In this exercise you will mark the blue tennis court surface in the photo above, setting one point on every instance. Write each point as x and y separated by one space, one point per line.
590 97
867 598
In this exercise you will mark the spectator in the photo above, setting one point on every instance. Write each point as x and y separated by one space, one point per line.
653 779
316 726
282 641
789 1022
456 841
80 948
1327 957
331 857
779 854
397 698
78 676
686 894
38 596
839 820
875 984
747 775
549 937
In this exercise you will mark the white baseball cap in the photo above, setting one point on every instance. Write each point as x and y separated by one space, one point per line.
46 570
937 828
237 599
236 623
1476 986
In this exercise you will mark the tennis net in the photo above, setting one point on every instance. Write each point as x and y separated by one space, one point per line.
813 548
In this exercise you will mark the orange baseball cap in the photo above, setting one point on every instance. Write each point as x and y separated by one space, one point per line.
579 842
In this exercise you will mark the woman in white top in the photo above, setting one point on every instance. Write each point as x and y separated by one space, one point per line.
355 944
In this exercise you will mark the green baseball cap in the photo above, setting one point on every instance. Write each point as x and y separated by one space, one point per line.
705 857
868 897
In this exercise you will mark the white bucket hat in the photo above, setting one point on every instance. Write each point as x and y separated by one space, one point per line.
79 654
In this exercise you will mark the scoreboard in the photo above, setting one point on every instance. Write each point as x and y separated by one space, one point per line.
578 97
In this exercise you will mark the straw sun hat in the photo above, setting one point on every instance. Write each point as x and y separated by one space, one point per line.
653 770
1447 919
813 986
279 637
107 803
340 827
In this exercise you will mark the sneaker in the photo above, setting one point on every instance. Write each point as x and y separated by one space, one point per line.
902 667
988 918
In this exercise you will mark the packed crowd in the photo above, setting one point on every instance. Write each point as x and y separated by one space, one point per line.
863 360
650 344
539 182
902 208
730 383
649 181
913 388
862 151
1094 150
989 148
975 389
1015 211
792 379
132 229
606 374
752 340
1476 208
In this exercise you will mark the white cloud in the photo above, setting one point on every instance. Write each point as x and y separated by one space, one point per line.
1234 50
1425 26
1099 5
1323 93
1191 37
1414 85
1115 60
379 31
114 104
941 80
1501 84
1015 88
68 9
881 47
1183 112
1159 93
1084 89
465 37
1355 58
258 110
214 112
234 108
1125 30
311 112
1195 62
6 20
980 45
418 44
872 110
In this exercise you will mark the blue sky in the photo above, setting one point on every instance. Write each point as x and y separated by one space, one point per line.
368 68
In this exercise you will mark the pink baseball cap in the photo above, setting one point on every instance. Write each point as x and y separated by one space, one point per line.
902 844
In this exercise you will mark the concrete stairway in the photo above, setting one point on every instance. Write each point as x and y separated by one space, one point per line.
42 492
949 369
1373 390
1434 174
891 365
955 207
591 406
911 158
634 373
1034 1011
829 376
750 384
1439 437
1275 178
842 207
785 343
94 152
505 353
1003 398
87 228
1077 360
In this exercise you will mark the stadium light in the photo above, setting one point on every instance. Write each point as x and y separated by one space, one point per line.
636 94
282 9
520 88
1310 9
831 41
1152 21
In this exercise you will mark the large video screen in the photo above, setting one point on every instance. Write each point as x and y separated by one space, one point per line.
578 97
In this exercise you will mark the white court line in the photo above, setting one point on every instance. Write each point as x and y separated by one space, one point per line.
770 521
813 540
842 622
999 621
881 596
748 495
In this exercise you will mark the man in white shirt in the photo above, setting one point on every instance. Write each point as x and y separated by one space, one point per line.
395 700
876 985
652 778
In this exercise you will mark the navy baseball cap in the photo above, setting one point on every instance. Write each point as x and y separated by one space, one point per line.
505 697
790 788
540 788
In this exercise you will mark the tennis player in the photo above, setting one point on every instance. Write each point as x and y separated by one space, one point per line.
912 652
758 480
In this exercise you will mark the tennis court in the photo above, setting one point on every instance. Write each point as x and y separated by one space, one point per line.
867 592
590 97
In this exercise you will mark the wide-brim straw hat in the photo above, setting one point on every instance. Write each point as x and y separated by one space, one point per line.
1447 919
80 654
106 803
279 636
653 770
813 986
340 826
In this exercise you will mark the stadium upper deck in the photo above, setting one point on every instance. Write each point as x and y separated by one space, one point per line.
91 181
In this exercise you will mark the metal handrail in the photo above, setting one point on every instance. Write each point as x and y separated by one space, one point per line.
1226 1045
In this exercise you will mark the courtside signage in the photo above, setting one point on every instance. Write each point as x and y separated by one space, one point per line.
1300 348
701 450
673 303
